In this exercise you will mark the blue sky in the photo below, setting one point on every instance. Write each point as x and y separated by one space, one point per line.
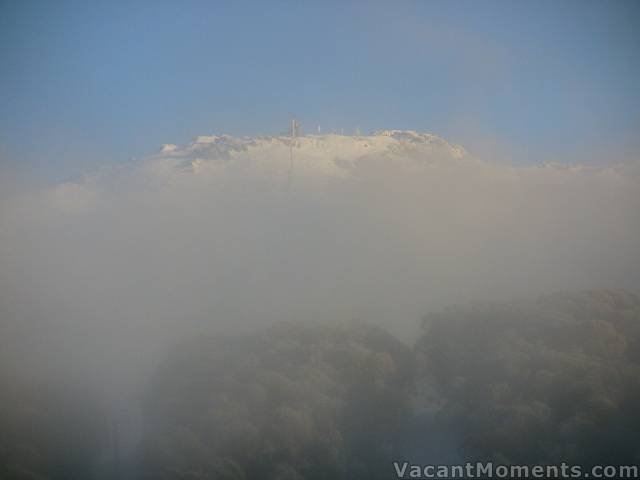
84 84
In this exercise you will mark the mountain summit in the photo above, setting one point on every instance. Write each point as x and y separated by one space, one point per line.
330 154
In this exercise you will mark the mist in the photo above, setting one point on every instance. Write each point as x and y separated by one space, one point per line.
101 276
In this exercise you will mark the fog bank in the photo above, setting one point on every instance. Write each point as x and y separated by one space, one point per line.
99 274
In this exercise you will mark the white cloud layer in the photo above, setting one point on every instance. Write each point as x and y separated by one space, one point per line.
228 233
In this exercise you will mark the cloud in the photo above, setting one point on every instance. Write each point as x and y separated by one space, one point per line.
98 277
228 233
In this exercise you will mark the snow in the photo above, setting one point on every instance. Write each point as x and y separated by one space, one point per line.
330 154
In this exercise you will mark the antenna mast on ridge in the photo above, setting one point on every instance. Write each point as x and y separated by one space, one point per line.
294 130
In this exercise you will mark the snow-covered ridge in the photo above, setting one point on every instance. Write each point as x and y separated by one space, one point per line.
330 154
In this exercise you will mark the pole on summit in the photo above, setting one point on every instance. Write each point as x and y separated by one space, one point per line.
294 129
